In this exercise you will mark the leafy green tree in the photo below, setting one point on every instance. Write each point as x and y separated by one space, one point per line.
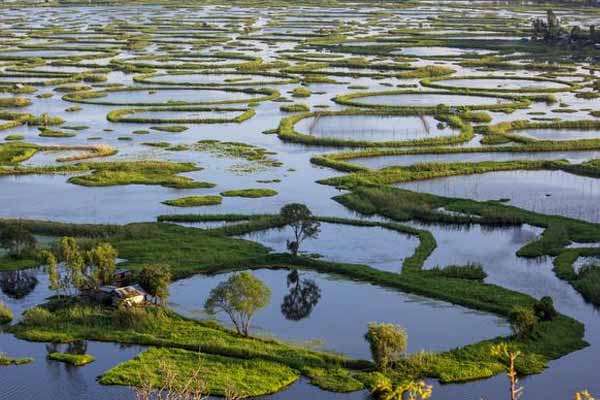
240 297
522 321
155 280
101 265
55 282
387 342
303 224
17 240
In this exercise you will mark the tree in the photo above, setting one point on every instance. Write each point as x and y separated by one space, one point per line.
387 343
155 280
508 356
240 297
101 265
300 219
522 321
17 240
303 296
84 270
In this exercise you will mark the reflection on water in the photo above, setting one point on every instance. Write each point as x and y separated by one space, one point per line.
374 128
339 320
303 297
17 284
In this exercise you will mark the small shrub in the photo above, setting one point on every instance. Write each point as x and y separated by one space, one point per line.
522 321
6 314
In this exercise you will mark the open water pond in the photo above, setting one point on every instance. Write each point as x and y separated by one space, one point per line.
547 192
503 84
438 51
336 312
425 99
374 128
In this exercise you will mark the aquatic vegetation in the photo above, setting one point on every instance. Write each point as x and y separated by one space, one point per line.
255 158
76 360
122 115
47 132
5 360
194 201
170 128
6 314
249 377
250 193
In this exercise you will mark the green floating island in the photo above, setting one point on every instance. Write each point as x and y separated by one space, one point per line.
77 360
170 128
4 360
46 132
194 201
250 193
14 137
252 377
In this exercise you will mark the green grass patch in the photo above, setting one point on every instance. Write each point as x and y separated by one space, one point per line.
76 360
250 377
194 201
250 193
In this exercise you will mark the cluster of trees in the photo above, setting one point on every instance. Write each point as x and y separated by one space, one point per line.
89 266
552 31
18 241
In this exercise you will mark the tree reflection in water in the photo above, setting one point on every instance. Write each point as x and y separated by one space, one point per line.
302 298
17 284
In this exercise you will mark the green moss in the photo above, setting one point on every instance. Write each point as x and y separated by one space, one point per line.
170 128
5 360
14 137
46 132
250 193
194 201
6 314
77 360
301 91
252 377
294 108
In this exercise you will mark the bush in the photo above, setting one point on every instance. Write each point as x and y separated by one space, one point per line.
387 343
6 314
474 272
522 321
37 316
544 309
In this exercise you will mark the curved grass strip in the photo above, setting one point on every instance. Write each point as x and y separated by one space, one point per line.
91 97
250 377
15 153
122 115
437 83
282 79
250 193
194 201
286 131
426 171
77 360
513 103
586 284
506 129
